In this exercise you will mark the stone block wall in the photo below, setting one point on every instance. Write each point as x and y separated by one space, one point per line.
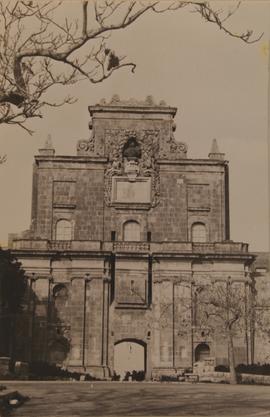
82 306
184 191
74 193
78 196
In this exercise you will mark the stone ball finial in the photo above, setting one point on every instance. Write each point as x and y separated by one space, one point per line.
149 101
162 103
115 99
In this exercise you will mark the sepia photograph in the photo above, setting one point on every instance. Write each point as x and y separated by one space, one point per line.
134 227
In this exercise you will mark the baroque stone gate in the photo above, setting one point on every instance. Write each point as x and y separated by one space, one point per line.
122 237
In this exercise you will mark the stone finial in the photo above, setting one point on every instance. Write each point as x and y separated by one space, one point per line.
214 152
162 103
48 149
149 101
115 99
214 147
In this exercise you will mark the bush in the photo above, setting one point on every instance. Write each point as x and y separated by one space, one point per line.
169 378
256 369
46 371
222 368
115 376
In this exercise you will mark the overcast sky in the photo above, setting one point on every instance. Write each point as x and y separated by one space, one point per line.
219 85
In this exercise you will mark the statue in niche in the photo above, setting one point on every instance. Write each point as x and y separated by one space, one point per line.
131 155
132 150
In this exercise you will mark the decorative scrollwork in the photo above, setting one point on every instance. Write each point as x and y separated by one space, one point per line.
86 147
115 141
83 145
170 149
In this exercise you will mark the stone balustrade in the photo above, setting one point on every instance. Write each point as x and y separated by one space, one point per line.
131 246
123 246
56 245
29 244
217 247
59 245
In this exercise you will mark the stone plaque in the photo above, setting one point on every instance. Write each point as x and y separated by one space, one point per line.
125 191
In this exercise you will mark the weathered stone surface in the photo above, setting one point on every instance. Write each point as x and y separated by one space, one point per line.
21 368
89 289
4 365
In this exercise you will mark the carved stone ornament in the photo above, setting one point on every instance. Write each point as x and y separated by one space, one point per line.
170 149
131 169
86 146
117 101
145 166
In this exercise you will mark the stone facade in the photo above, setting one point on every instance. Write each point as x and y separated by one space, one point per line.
260 274
121 236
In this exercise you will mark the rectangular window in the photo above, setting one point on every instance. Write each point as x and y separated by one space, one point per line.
64 192
113 235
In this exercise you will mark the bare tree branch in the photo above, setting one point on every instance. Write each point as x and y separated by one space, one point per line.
3 159
31 60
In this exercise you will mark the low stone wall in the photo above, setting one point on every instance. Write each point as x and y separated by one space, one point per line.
21 369
224 377
215 377
255 379
158 373
4 366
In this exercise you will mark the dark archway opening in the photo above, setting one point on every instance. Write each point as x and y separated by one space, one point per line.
202 352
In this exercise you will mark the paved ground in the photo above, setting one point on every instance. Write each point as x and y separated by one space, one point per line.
72 399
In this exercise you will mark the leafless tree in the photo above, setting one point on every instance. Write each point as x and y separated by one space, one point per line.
225 308
41 47
260 318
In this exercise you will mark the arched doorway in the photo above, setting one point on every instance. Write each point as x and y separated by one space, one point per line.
202 352
129 356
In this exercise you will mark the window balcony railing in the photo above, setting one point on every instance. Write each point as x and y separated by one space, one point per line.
60 245
131 246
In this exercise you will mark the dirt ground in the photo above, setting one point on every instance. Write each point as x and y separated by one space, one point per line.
74 399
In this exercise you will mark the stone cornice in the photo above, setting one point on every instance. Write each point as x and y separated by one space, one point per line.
247 258
210 251
121 108
26 253
205 256
183 161
86 278
71 158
